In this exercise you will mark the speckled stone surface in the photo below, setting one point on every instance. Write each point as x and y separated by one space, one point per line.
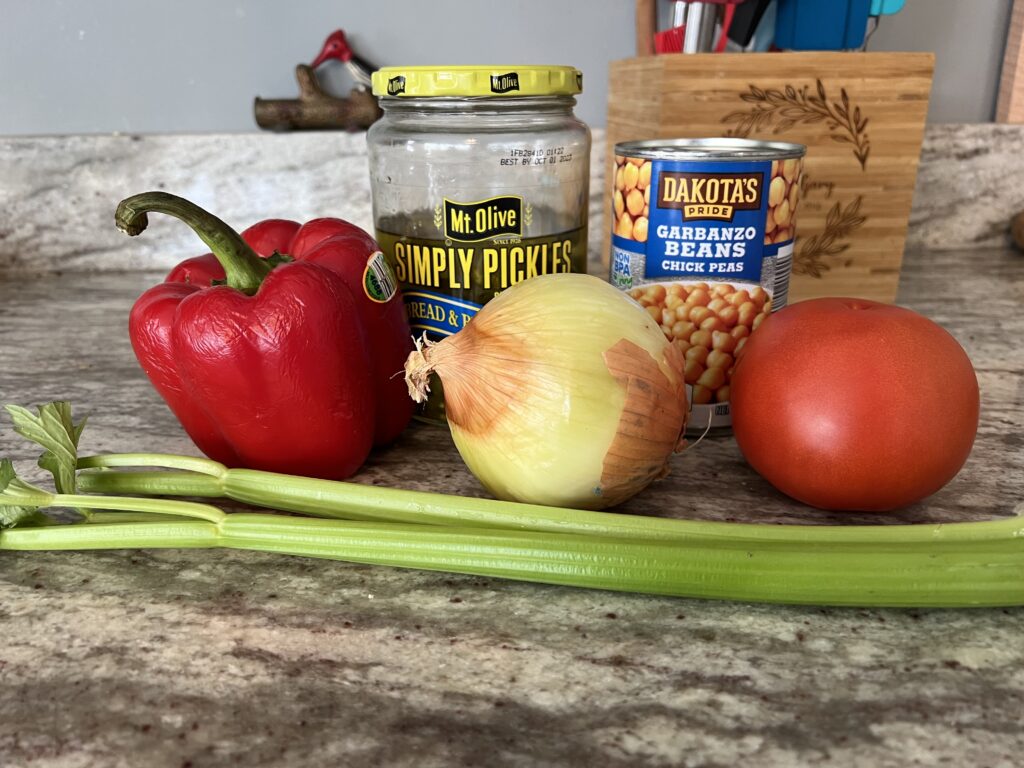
205 658
970 183
58 193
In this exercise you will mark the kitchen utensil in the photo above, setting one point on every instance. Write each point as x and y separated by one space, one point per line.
745 21
699 34
886 7
727 17
812 25
671 40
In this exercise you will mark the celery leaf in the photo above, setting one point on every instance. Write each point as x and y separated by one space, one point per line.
27 499
54 430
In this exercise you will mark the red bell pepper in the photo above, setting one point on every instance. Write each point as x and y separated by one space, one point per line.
348 251
289 365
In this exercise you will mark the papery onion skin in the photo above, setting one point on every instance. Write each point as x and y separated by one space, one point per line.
561 391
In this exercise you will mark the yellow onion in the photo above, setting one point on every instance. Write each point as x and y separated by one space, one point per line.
562 391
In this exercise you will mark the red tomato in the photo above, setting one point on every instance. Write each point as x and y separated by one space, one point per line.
849 404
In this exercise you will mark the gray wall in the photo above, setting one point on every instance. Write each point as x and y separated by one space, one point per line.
968 37
75 66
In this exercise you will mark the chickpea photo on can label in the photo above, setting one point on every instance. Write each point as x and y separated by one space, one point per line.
624 227
782 214
722 341
700 395
712 378
635 202
718 359
740 297
630 176
746 314
699 314
640 230
783 195
645 175
729 316
692 370
696 354
708 324
699 296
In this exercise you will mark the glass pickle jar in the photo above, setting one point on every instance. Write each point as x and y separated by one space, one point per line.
480 179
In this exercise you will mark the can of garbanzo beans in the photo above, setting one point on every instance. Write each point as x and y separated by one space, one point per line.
702 237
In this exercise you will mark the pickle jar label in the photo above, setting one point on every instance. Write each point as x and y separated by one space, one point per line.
483 220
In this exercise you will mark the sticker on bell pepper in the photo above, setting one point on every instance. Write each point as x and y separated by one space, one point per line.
378 280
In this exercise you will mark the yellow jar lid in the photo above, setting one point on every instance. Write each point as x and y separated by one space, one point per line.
510 80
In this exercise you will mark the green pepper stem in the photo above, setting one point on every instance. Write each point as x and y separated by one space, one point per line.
244 269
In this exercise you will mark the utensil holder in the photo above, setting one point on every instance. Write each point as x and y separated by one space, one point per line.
861 115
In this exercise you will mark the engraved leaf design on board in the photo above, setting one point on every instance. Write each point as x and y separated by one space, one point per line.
790 106
840 223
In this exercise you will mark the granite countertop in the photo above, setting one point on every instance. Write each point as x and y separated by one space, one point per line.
199 658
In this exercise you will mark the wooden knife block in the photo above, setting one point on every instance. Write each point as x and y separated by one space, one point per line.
861 116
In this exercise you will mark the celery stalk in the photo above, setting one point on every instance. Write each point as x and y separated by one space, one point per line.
959 564
862 574
354 501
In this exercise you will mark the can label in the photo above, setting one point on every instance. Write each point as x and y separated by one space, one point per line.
706 248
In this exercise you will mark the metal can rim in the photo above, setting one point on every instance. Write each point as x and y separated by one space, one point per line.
715 149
